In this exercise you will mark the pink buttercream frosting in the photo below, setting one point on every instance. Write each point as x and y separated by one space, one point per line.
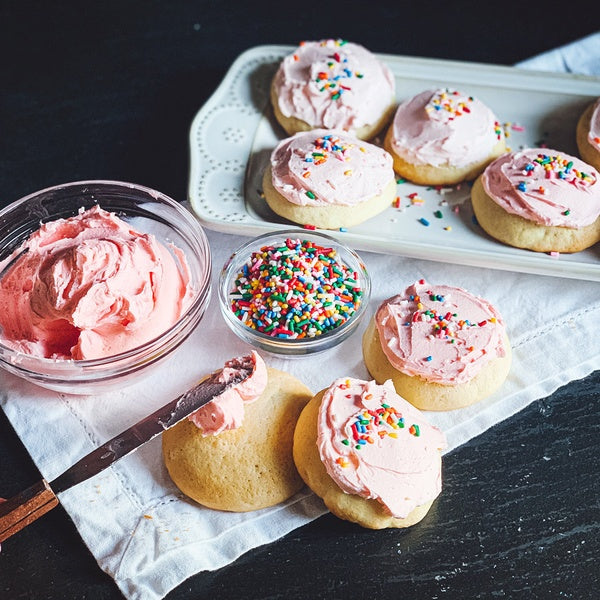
444 127
90 286
227 410
334 84
326 167
594 132
544 186
442 334
376 445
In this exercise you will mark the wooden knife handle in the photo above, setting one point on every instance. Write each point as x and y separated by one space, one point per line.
20 510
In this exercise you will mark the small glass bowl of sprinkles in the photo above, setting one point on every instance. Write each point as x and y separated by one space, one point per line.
294 292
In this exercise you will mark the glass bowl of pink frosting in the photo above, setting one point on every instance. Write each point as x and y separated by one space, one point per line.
99 282
294 292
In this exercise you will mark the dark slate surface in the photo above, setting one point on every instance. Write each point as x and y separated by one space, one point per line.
108 90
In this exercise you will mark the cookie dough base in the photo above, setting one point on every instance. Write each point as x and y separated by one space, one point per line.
588 153
246 468
366 512
428 395
330 216
519 232
294 125
442 174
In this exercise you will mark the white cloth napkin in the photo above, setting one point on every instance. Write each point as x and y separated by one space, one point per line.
150 538
582 56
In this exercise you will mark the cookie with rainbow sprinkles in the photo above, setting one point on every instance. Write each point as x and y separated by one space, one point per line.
370 455
442 137
539 199
333 84
441 346
329 179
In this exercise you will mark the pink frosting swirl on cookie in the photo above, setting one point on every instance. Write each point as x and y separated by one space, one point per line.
324 167
440 333
544 186
227 410
334 84
376 445
594 132
444 127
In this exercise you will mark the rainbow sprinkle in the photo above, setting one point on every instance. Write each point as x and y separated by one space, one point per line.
557 167
450 103
295 290
325 147
499 131
444 325
415 199
369 424
337 74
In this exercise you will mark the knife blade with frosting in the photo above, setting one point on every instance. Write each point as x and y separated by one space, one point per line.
24 508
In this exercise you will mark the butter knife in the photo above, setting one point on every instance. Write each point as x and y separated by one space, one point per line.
24 508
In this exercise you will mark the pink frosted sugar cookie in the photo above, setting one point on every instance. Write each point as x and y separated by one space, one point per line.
442 347
443 137
329 179
333 84
371 456
539 199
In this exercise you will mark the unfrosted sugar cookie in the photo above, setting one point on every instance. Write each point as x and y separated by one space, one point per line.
329 179
371 456
333 84
443 347
588 135
443 137
539 199
235 453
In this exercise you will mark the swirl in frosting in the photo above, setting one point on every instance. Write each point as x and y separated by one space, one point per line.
444 127
324 167
90 286
334 84
376 445
544 186
442 334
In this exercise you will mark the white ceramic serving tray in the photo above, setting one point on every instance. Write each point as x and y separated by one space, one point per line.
233 134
